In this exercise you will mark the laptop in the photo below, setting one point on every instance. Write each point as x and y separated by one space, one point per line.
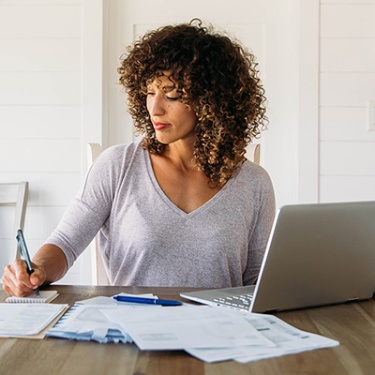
317 254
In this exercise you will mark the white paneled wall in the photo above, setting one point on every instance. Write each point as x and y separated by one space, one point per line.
40 111
58 61
347 82
267 27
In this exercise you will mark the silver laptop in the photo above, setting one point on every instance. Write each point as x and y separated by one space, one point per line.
317 254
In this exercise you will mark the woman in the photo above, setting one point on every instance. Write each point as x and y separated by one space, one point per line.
182 207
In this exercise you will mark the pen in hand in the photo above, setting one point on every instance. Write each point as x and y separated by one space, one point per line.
151 301
25 255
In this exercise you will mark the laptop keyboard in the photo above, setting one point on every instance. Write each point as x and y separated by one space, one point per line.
241 302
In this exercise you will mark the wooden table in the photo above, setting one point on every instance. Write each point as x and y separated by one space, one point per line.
352 324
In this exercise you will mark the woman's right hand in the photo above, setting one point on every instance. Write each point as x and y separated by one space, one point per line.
17 282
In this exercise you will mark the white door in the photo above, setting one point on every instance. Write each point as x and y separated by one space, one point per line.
266 27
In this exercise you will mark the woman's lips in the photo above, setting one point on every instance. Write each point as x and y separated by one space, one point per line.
160 125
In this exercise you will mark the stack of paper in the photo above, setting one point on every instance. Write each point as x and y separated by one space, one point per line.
285 339
208 333
88 322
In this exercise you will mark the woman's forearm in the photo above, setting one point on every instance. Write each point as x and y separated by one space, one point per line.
51 259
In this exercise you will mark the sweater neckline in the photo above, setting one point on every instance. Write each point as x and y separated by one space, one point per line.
173 206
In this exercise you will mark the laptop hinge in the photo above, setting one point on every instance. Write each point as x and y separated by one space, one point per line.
271 311
352 299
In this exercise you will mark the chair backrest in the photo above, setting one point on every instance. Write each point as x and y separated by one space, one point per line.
15 195
253 152
99 274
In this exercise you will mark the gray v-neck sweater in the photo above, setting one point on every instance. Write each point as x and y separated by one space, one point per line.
145 240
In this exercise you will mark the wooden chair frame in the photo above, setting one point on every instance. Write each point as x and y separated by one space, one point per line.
15 194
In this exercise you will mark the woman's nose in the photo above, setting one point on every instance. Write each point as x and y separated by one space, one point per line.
155 105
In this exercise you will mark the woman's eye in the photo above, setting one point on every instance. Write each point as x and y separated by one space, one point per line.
175 95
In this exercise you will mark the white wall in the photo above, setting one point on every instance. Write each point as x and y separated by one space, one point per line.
45 108
267 28
58 91
347 82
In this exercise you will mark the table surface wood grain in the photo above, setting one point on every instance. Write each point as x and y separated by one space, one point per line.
352 324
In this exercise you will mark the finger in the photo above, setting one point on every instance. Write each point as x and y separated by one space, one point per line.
20 273
13 289
37 278
7 283
16 280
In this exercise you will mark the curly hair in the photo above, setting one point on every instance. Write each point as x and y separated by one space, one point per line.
218 79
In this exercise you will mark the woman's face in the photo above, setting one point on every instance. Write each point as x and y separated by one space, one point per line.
172 120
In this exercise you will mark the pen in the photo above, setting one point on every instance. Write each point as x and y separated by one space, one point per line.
152 301
25 255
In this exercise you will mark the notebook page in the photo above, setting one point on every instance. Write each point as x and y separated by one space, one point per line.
45 296
27 319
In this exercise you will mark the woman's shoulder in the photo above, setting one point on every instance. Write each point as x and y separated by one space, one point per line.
249 168
253 186
115 160
253 175
123 148
121 153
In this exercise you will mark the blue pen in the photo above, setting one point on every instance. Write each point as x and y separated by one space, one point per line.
25 255
151 301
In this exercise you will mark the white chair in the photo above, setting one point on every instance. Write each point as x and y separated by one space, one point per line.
15 194
99 274
253 152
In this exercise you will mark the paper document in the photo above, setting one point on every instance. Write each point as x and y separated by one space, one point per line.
208 333
286 339
87 322
27 319
172 328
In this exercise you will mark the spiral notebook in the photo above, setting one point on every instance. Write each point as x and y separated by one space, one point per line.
45 296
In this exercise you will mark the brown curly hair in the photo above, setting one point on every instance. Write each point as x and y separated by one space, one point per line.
218 79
